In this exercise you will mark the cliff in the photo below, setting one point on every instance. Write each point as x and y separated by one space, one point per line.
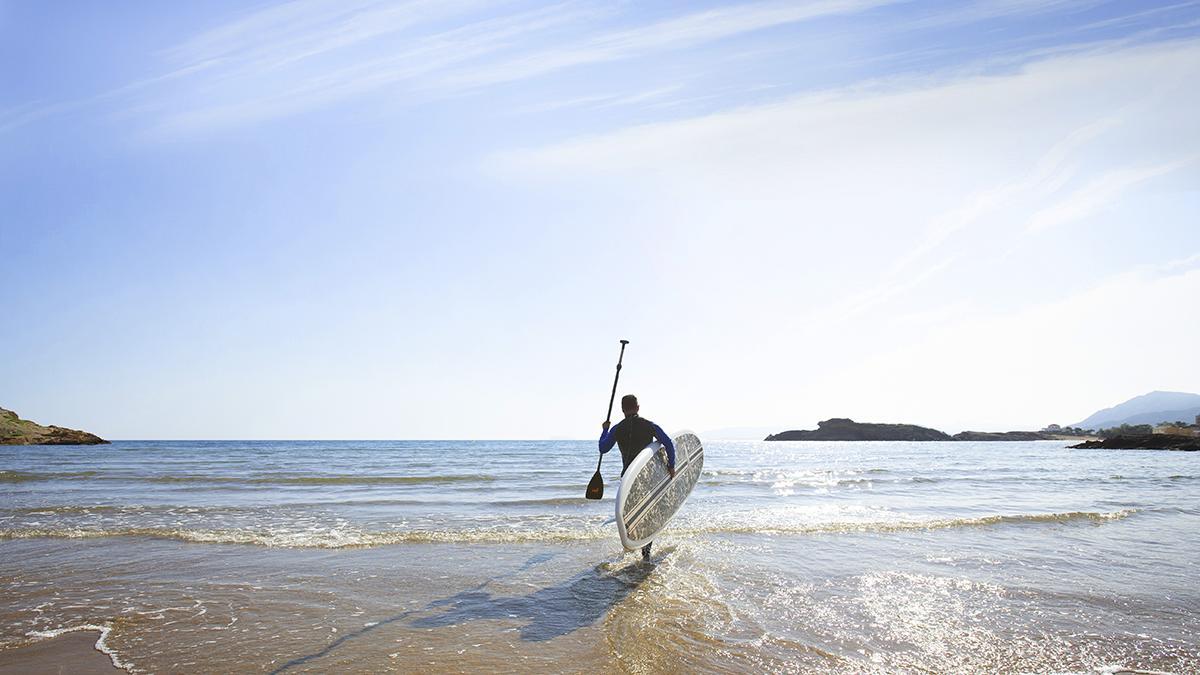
16 431
1145 441
841 429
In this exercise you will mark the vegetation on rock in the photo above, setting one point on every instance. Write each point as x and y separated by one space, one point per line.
16 431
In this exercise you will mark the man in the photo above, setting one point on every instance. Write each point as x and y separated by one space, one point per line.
631 435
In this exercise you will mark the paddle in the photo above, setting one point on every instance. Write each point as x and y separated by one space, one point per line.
595 489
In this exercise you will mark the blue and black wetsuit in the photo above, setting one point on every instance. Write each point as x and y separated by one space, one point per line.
632 434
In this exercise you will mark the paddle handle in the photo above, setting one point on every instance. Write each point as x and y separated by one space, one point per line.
612 397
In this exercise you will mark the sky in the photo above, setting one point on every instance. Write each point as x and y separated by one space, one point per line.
350 219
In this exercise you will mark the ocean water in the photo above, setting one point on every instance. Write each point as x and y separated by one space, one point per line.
465 556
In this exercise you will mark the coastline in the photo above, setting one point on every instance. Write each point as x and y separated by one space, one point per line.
433 556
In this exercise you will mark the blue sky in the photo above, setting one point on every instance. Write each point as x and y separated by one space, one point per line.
352 219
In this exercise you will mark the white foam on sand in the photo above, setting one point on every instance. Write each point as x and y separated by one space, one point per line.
101 643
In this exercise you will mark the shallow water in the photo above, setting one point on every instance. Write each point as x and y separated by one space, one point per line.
366 556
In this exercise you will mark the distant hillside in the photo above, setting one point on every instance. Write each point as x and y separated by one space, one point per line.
842 429
1152 408
16 431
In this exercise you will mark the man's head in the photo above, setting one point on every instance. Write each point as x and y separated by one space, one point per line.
629 405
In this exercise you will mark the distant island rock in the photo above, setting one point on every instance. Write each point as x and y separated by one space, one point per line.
842 429
16 431
1144 441
1004 436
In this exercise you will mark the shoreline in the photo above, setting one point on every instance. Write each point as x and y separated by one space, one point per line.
73 652
233 557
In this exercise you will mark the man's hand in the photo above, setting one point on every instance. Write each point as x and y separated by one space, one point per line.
671 470
605 425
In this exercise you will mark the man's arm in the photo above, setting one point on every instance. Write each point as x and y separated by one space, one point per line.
668 444
608 437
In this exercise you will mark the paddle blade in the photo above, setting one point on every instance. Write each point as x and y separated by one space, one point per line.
595 489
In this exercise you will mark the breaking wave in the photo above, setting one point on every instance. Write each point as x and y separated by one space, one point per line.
349 537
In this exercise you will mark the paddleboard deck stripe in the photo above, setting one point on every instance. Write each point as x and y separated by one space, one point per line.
642 507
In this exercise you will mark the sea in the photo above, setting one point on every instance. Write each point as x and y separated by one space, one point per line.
470 556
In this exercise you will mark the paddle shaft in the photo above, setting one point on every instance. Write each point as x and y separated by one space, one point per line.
613 396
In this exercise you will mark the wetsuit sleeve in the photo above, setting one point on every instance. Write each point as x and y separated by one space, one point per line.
609 438
667 443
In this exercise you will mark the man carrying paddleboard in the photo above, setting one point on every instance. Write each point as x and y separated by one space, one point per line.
631 435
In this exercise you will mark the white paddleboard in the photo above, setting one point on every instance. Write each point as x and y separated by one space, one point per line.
649 497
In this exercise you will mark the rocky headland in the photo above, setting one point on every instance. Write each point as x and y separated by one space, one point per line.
1145 441
843 429
16 431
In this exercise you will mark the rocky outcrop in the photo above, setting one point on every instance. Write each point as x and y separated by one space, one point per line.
1003 436
1145 441
16 431
842 429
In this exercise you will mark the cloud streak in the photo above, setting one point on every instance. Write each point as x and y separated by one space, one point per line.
1097 193
287 59
672 34
950 173
301 55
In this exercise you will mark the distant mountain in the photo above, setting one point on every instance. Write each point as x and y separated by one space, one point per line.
16 431
842 429
1152 408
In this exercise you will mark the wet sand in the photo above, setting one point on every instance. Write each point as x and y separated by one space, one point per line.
73 653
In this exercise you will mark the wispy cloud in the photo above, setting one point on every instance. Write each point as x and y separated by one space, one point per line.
246 93
677 33
253 79
948 172
296 56
609 100
1097 193
1050 172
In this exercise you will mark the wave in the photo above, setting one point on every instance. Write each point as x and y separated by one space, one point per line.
326 539
288 479
354 538
548 501
31 476
71 510
783 480
934 523
347 479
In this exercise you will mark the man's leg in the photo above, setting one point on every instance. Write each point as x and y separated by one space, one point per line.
646 551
